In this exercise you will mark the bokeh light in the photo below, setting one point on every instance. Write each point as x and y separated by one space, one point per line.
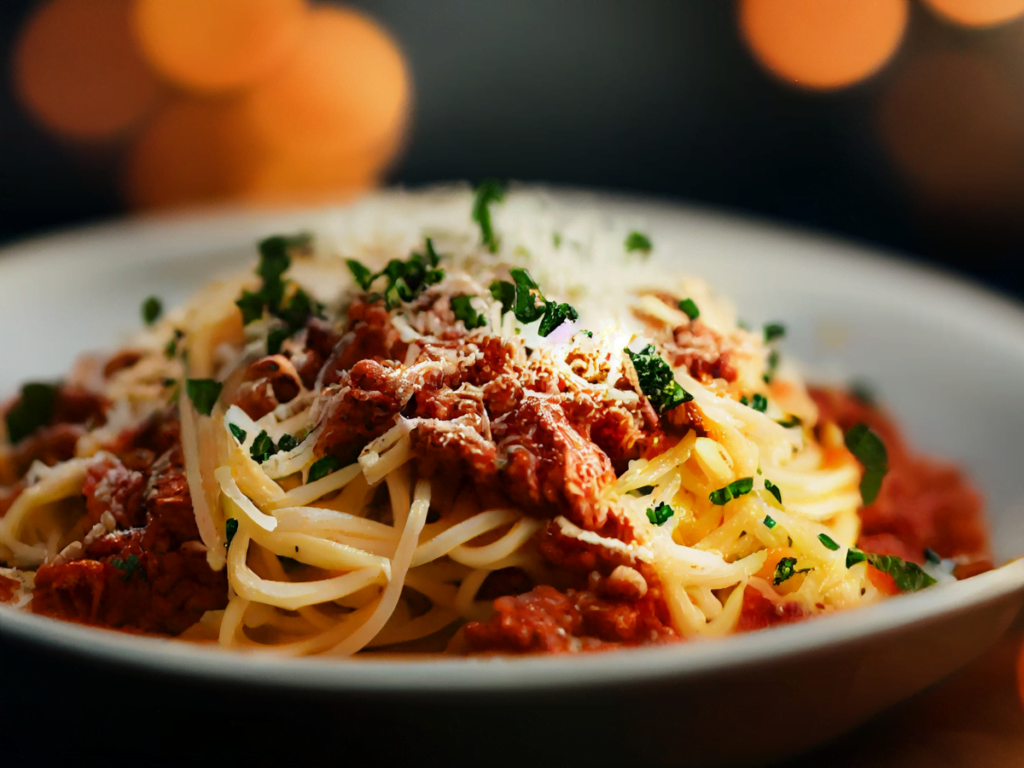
217 45
953 123
823 44
79 72
344 93
193 151
978 13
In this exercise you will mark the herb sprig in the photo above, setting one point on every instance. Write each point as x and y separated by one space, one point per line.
869 450
489 191
660 514
733 490
657 381
909 577
523 298
405 279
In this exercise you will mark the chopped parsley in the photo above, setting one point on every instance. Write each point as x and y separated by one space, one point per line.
152 308
773 331
759 403
909 577
637 241
238 432
230 529
786 569
773 364
931 556
690 308
128 566
773 489
203 393
733 490
828 542
464 311
172 346
489 191
280 297
322 468
769 522
792 421
588 334
34 409
405 279
870 451
660 514
287 443
262 447
657 382
521 297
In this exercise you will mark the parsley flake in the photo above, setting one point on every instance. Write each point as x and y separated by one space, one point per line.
489 191
733 490
769 522
657 381
931 556
786 569
238 432
203 393
909 577
637 241
274 261
463 309
828 542
128 566
230 529
34 409
773 331
773 489
660 514
322 468
405 279
152 308
522 297
262 447
869 450
759 403
690 308
287 443
792 421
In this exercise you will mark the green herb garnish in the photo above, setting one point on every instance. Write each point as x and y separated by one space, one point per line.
128 566
769 522
773 331
238 432
287 443
464 311
659 514
34 409
262 447
690 308
405 279
489 191
274 262
931 556
657 382
773 489
230 529
863 392
786 570
870 451
792 421
322 468
203 393
637 241
555 314
759 403
172 346
909 577
733 490
152 308
521 297
828 541
773 364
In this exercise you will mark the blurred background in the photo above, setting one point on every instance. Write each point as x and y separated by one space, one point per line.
894 122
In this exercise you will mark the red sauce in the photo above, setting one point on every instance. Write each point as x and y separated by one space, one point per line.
8 587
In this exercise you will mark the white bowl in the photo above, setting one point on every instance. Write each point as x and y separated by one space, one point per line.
947 358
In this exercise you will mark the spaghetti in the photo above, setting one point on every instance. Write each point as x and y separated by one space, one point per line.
402 440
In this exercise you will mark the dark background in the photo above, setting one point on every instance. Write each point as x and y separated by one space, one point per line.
653 97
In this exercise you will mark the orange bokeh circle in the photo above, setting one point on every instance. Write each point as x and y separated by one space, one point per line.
978 13
952 123
345 92
218 45
823 44
78 70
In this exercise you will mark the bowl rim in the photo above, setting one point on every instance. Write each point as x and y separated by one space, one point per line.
152 239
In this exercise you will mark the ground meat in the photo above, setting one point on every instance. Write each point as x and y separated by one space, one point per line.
548 464
704 353
111 487
922 502
321 339
50 445
545 620
759 612
151 574
363 408
268 382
